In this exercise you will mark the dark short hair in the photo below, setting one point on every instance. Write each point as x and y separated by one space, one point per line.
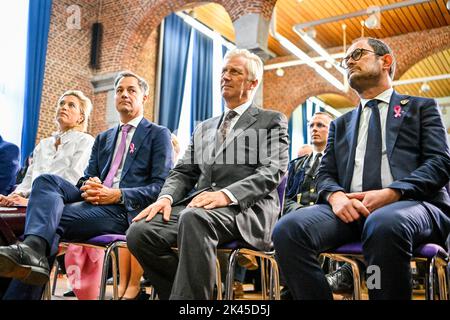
381 48
141 81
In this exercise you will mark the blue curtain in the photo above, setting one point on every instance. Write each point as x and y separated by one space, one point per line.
173 73
290 128
38 26
305 123
202 82
313 108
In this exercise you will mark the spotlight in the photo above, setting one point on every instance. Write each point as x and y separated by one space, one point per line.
279 72
372 22
448 5
312 33
328 65
425 87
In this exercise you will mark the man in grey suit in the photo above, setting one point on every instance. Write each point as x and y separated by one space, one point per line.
234 163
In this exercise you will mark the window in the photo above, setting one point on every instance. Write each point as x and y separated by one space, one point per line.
13 32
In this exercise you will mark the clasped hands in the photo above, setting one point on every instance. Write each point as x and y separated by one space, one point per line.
350 207
206 200
13 200
96 193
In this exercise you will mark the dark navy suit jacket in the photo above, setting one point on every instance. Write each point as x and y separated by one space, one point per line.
9 166
417 149
145 169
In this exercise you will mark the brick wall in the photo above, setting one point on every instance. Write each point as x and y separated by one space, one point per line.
130 41
300 82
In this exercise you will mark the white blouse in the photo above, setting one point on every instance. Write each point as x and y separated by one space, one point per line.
68 161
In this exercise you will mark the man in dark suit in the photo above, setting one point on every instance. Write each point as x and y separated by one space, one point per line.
301 187
9 166
381 181
236 162
126 171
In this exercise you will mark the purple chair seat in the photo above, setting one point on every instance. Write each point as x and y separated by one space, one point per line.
428 250
106 239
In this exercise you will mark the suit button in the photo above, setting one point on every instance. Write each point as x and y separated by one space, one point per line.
213 184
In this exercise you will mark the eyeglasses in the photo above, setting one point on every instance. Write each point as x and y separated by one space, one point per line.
355 55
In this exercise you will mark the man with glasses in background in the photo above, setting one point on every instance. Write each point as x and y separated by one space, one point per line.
381 181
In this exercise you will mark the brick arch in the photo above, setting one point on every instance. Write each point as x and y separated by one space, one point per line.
299 83
413 47
142 22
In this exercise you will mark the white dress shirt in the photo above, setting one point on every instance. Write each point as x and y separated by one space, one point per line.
68 161
386 175
134 123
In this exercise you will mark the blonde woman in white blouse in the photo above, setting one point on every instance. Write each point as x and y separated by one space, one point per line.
66 153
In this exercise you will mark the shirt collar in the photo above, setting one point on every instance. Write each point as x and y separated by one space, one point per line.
63 136
385 96
240 109
134 123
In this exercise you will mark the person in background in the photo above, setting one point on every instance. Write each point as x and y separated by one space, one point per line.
9 166
65 153
301 187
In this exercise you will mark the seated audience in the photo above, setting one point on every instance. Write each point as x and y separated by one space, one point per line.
127 168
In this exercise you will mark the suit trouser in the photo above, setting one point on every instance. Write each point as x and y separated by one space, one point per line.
56 210
388 235
197 233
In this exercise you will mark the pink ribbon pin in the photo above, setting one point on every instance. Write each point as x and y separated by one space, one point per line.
132 148
397 112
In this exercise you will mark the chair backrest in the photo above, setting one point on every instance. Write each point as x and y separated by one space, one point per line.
281 191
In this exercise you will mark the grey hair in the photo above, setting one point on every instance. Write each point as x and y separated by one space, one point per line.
141 81
254 65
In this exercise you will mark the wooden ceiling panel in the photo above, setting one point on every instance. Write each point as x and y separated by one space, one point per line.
433 14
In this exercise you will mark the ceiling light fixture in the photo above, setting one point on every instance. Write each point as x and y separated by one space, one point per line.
319 49
425 87
279 72
303 56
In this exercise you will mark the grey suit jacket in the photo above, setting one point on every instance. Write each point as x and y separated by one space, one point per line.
250 164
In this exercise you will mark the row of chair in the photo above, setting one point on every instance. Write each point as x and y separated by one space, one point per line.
435 257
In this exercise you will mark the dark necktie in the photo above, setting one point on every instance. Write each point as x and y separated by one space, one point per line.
224 128
371 179
308 189
118 158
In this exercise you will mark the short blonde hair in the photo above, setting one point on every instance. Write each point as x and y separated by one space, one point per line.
254 65
85 107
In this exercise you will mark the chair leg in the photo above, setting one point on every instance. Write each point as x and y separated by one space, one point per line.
275 291
105 267
218 281
55 276
430 280
263 279
230 275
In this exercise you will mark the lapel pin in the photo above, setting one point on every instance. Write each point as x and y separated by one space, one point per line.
403 102
397 111
132 148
